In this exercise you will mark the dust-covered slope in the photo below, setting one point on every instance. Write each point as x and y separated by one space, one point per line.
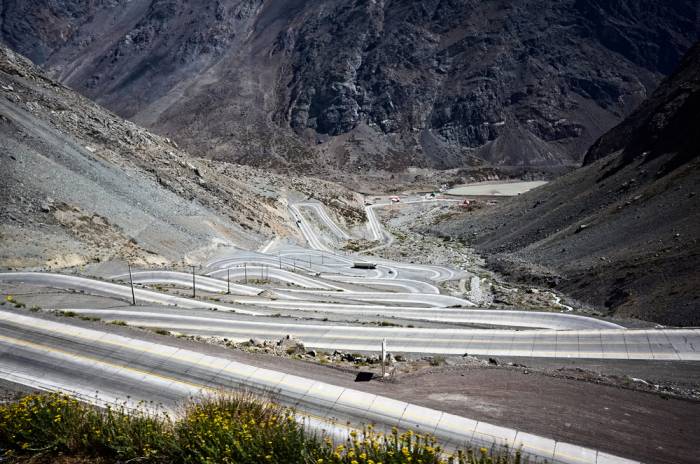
337 86
622 232
80 184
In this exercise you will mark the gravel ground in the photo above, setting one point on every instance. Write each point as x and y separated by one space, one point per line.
495 291
81 185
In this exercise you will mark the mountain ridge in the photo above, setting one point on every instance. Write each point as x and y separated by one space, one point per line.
621 232
361 86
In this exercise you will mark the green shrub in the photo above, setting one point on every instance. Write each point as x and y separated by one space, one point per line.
66 313
387 324
238 428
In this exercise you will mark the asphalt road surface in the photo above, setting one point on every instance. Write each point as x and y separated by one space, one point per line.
52 355
305 286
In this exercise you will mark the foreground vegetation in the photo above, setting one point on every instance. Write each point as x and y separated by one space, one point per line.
226 429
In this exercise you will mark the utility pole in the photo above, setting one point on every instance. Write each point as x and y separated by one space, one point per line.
280 257
193 284
245 272
383 357
131 281
228 281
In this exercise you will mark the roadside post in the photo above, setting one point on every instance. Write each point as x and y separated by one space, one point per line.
131 281
193 283
383 357
245 273
228 281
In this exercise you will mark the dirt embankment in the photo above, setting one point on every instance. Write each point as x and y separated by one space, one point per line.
82 185
620 233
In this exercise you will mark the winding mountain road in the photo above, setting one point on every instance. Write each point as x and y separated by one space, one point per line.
606 343
56 356
302 288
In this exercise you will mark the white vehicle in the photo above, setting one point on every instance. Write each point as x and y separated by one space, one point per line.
394 199
364 265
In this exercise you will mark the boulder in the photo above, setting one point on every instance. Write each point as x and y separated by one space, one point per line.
291 346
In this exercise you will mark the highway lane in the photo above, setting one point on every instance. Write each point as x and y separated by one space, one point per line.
373 225
338 268
652 344
209 284
508 318
281 275
185 279
435 273
406 285
98 287
386 269
307 231
65 357
216 285
335 266
422 299
320 211
260 259
309 262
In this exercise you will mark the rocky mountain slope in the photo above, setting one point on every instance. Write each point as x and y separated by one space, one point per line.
82 185
364 85
623 231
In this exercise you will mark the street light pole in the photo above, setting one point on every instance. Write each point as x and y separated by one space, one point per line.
131 281
193 283
383 357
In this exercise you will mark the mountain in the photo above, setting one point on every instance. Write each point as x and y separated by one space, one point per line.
81 185
341 86
622 232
